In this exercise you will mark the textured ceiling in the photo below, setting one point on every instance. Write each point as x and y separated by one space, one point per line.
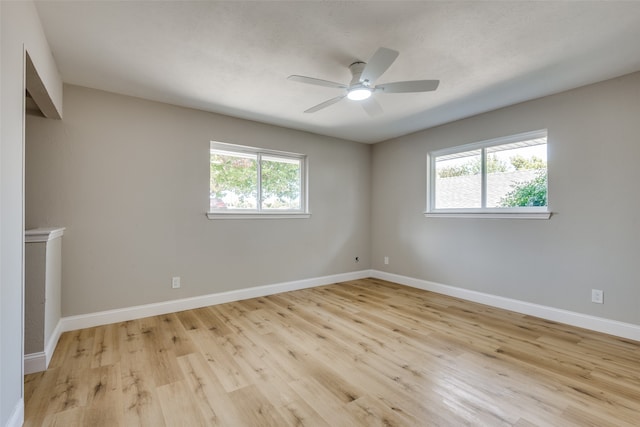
233 57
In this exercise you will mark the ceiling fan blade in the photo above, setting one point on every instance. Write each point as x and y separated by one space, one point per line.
378 64
371 106
324 104
317 82
409 86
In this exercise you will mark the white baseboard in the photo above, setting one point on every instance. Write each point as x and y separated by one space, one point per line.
35 362
599 324
613 327
50 346
17 417
72 323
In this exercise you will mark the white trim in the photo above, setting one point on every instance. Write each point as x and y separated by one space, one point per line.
255 215
17 416
235 150
50 346
38 362
227 147
136 312
431 210
599 324
501 140
35 362
490 215
43 234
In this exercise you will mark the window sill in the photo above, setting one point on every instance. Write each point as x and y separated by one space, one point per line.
490 215
254 215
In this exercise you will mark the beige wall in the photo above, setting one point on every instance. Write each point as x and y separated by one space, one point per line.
591 241
128 178
20 32
34 296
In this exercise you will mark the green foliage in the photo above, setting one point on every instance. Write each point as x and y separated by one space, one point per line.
529 193
520 162
473 167
280 184
457 170
236 175
494 165
239 176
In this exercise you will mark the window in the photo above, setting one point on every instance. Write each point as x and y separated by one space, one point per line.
247 181
503 177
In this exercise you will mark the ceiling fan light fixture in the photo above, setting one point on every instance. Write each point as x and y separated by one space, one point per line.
363 77
359 94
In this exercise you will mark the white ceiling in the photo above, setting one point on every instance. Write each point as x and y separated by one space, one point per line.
233 57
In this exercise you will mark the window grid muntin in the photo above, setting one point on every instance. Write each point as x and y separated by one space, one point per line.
526 139
288 157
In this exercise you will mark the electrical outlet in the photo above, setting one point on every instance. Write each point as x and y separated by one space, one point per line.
175 282
386 260
597 296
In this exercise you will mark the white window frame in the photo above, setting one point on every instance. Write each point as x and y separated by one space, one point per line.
529 212
258 213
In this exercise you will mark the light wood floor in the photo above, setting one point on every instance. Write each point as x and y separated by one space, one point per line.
360 353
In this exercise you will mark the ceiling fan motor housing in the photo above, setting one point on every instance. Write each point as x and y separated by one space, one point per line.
356 71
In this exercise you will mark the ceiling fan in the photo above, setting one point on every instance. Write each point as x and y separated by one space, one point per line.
361 86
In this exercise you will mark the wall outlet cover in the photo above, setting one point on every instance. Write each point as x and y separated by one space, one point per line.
597 296
175 282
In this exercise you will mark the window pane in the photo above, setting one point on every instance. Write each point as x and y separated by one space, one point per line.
457 180
281 182
517 174
233 180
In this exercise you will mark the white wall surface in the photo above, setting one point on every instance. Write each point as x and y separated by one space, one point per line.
129 179
42 293
20 31
591 241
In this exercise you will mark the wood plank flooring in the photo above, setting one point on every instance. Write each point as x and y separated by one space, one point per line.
359 353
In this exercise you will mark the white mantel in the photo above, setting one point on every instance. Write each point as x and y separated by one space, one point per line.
43 291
